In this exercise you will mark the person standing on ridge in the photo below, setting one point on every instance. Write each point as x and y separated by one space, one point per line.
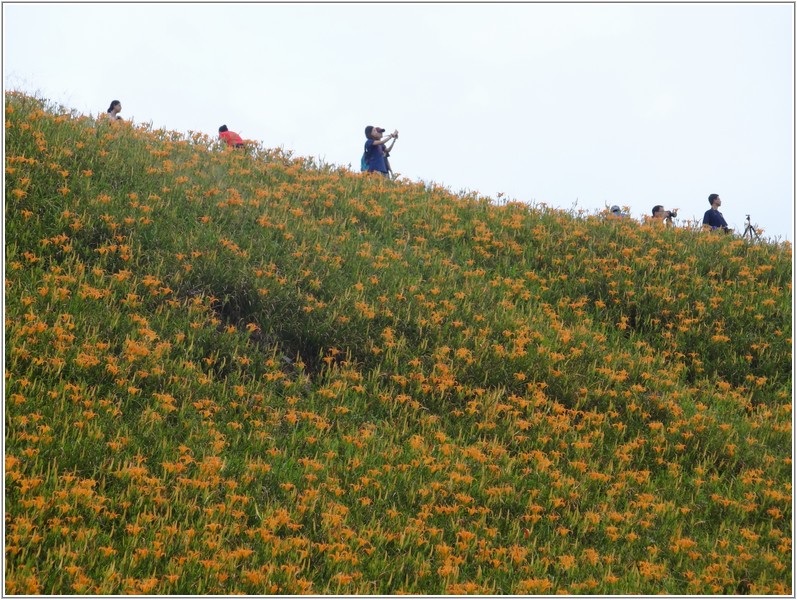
232 138
713 217
113 111
375 149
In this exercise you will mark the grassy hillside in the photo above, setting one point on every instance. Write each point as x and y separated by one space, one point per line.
236 372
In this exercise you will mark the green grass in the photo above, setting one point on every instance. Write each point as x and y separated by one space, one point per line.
236 372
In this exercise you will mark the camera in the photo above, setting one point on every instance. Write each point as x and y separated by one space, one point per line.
672 213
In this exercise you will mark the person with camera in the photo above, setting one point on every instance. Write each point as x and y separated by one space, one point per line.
713 217
665 215
376 150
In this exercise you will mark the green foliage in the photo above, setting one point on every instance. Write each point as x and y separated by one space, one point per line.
243 372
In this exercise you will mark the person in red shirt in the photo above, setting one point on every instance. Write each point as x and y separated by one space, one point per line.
232 138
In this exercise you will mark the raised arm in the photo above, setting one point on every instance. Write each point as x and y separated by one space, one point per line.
386 139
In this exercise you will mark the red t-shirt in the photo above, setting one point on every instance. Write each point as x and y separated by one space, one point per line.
231 138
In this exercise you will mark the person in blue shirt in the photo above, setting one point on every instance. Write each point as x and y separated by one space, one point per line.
713 217
376 150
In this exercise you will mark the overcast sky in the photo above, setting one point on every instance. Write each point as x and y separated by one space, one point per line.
567 104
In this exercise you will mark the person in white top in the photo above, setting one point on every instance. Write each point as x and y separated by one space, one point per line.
114 110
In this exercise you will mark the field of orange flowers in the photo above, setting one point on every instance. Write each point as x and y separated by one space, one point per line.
246 372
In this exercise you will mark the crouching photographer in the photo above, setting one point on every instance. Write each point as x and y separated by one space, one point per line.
665 215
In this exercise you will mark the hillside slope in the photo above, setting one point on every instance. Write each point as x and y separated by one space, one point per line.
245 372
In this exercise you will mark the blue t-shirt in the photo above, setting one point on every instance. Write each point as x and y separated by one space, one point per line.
376 156
714 218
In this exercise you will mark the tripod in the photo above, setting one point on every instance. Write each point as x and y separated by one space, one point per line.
750 232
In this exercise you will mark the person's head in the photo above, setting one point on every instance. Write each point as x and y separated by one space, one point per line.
223 128
115 107
714 200
374 133
615 210
659 212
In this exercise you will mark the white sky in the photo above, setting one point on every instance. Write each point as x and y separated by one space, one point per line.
599 104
